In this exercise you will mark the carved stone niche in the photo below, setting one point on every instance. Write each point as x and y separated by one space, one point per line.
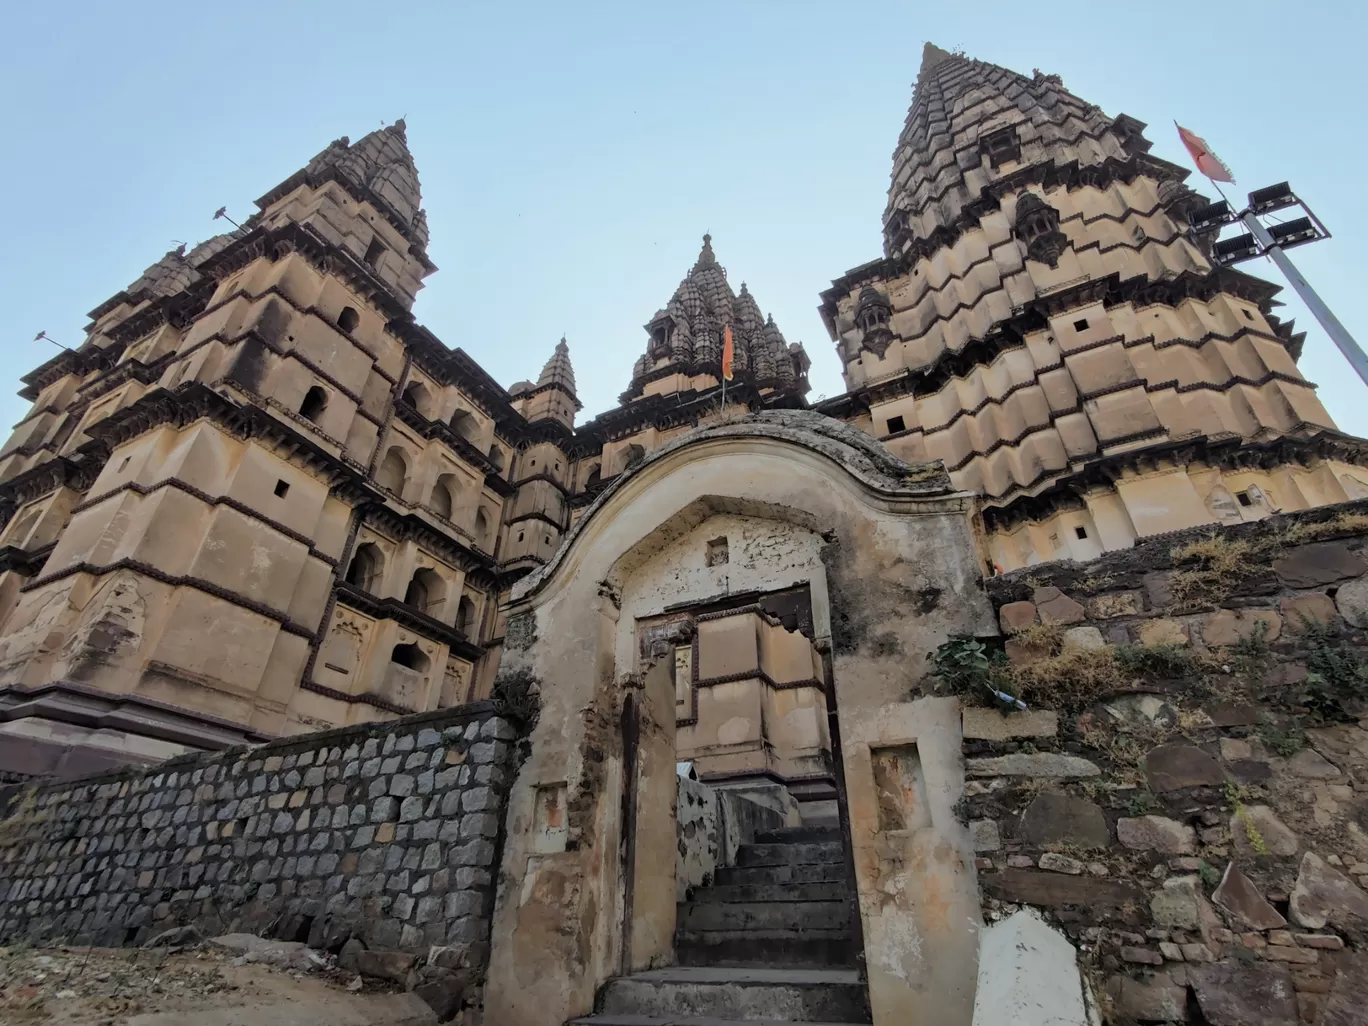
873 312
1001 146
1037 225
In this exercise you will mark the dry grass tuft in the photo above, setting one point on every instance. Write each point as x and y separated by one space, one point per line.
1221 565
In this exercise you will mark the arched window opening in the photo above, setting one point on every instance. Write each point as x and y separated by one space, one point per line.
409 656
367 567
635 454
482 529
465 617
465 425
594 478
417 396
425 590
443 496
496 457
348 319
315 402
393 471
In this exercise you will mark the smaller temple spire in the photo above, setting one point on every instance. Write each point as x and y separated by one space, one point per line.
558 370
705 256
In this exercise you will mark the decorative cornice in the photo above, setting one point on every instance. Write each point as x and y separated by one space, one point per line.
211 500
178 581
1226 453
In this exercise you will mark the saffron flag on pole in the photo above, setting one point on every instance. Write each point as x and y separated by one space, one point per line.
728 353
1207 162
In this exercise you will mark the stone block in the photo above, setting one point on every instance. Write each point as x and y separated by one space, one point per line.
1299 610
1056 863
1058 819
1231 626
386 965
1116 603
1015 616
1156 833
1031 764
1261 822
1053 606
1238 895
1310 764
1083 639
991 725
1172 952
1235 994
401 785
1173 767
985 835
1177 904
1158 999
1141 956
1034 887
1161 631
1314 566
1323 895
1348 997
1352 601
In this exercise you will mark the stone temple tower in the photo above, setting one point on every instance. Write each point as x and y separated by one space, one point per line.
1042 321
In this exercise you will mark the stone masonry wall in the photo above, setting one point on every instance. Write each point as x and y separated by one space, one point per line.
385 832
1187 793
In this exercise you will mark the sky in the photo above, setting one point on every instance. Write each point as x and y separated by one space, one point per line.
572 155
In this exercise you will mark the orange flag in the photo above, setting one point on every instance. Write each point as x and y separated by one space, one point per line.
728 353
1207 162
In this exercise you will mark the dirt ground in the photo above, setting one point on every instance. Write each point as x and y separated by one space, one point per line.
203 985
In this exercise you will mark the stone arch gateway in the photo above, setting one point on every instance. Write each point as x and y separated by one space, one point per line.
897 577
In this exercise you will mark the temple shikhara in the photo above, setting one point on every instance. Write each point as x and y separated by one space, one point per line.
261 500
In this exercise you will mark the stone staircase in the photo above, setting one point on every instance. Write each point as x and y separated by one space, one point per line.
774 940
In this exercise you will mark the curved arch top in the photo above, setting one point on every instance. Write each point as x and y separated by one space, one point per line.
843 452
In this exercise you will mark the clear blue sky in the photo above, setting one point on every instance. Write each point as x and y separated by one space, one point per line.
572 154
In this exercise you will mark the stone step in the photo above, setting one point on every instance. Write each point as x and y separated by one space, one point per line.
788 949
821 872
766 915
802 854
784 995
688 1020
830 890
794 835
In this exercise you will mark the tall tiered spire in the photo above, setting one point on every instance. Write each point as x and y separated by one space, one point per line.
964 110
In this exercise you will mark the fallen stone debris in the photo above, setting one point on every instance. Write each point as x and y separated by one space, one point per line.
235 980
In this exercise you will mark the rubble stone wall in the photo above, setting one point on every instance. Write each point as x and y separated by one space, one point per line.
1187 793
387 832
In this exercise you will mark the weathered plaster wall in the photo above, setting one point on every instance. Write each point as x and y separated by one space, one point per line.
386 832
1187 797
902 577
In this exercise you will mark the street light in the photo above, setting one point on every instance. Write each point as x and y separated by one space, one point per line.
1270 241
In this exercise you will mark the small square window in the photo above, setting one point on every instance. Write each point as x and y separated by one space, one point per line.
374 252
1081 324
281 488
717 552
896 424
1244 499
1082 532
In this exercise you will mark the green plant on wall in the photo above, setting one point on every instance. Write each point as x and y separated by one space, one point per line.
1336 676
968 666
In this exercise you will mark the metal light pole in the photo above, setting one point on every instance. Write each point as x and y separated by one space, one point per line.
1271 242
1338 333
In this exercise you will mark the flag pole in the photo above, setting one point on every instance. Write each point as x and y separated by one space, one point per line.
1339 334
